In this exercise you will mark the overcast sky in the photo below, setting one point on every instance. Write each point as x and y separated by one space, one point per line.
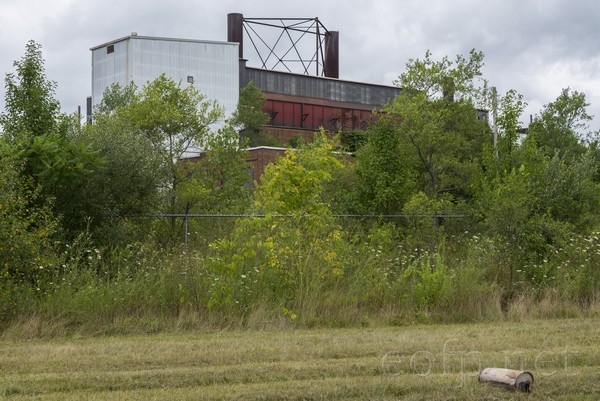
536 47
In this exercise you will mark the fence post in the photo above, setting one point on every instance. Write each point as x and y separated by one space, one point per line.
185 229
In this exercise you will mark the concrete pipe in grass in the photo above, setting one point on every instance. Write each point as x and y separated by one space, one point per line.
509 378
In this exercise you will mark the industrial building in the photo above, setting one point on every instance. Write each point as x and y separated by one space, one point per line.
213 67
298 103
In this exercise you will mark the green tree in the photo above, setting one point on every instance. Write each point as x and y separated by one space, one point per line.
249 117
114 97
175 120
437 123
220 181
509 127
452 80
296 183
533 198
384 167
505 199
126 180
26 229
62 167
146 137
53 162
292 253
507 204
352 141
559 126
31 109
566 192
593 149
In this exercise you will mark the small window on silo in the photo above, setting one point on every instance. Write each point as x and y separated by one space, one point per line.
190 79
110 49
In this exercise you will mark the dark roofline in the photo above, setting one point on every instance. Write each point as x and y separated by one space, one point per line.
309 86
292 74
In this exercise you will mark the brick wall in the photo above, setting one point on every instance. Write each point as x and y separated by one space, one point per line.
284 135
260 157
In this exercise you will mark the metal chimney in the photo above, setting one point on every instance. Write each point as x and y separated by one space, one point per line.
88 109
332 54
235 31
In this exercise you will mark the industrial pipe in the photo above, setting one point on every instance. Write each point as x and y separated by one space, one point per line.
507 377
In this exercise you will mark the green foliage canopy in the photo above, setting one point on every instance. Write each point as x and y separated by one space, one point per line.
31 109
249 117
559 126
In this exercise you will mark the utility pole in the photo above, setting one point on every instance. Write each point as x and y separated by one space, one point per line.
495 117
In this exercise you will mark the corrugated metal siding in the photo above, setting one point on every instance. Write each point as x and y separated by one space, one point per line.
312 117
108 69
213 65
317 87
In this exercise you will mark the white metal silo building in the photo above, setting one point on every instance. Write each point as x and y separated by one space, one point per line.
212 67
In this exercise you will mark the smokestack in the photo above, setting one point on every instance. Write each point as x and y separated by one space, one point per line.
332 54
88 109
235 31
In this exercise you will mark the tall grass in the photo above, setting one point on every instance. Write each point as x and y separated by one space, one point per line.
274 273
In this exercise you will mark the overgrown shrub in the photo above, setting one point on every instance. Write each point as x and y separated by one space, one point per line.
26 248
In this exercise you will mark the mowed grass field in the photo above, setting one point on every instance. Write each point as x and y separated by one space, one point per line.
421 362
